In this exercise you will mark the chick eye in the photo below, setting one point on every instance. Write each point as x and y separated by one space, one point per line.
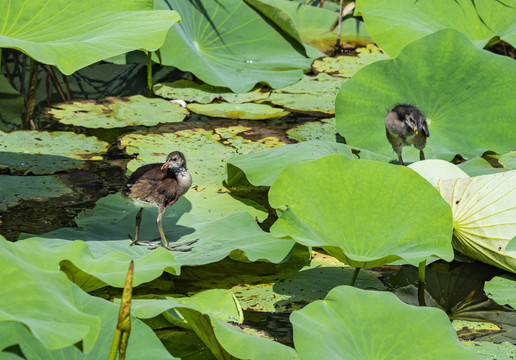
174 159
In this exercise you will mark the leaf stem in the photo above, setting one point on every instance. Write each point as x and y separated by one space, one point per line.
149 74
421 283
354 277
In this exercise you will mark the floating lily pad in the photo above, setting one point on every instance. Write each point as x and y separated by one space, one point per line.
441 88
42 152
238 111
191 91
502 289
352 216
237 59
262 168
116 112
11 106
77 36
375 326
206 151
323 130
393 25
488 350
347 66
16 188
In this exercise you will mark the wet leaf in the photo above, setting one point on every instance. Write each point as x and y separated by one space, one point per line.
116 112
191 91
42 152
238 111
82 33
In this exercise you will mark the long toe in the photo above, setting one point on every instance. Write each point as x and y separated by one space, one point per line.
176 249
190 242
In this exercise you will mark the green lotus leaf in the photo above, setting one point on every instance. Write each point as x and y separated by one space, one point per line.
508 160
502 289
219 303
347 66
369 324
238 111
263 167
309 104
441 88
15 188
191 91
42 300
479 166
483 216
206 151
226 43
80 33
393 25
116 112
323 130
488 350
142 343
511 245
353 218
311 24
42 152
11 106
102 254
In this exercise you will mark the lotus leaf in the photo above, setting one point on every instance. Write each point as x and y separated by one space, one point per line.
15 188
502 289
479 166
355 219
435 171
238 111
312 24
508 160
115 112
219 45
191 91
263 167
366 324
483 216
323 130
393 25
29 297
42 152
347 66
441 87
142 343
488 350
74 34
206 151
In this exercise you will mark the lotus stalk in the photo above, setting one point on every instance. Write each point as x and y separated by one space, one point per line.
421 283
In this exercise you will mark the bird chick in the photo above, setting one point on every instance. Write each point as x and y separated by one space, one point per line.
160 185
405 126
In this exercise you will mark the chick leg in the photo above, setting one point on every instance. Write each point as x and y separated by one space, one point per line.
164 241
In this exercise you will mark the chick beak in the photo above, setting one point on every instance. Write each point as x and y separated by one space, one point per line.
165 165
415 129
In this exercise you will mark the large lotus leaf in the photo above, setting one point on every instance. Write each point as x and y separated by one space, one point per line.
226 43
116 112
347 66
238 111
435 171
502 289
11 106
484 216
366 324
42 152
74 34
15 188
457 91
479 166
42 300
263 167
395 24
312 24
342 205
188 90
143 343
219 303
206 151
104 252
